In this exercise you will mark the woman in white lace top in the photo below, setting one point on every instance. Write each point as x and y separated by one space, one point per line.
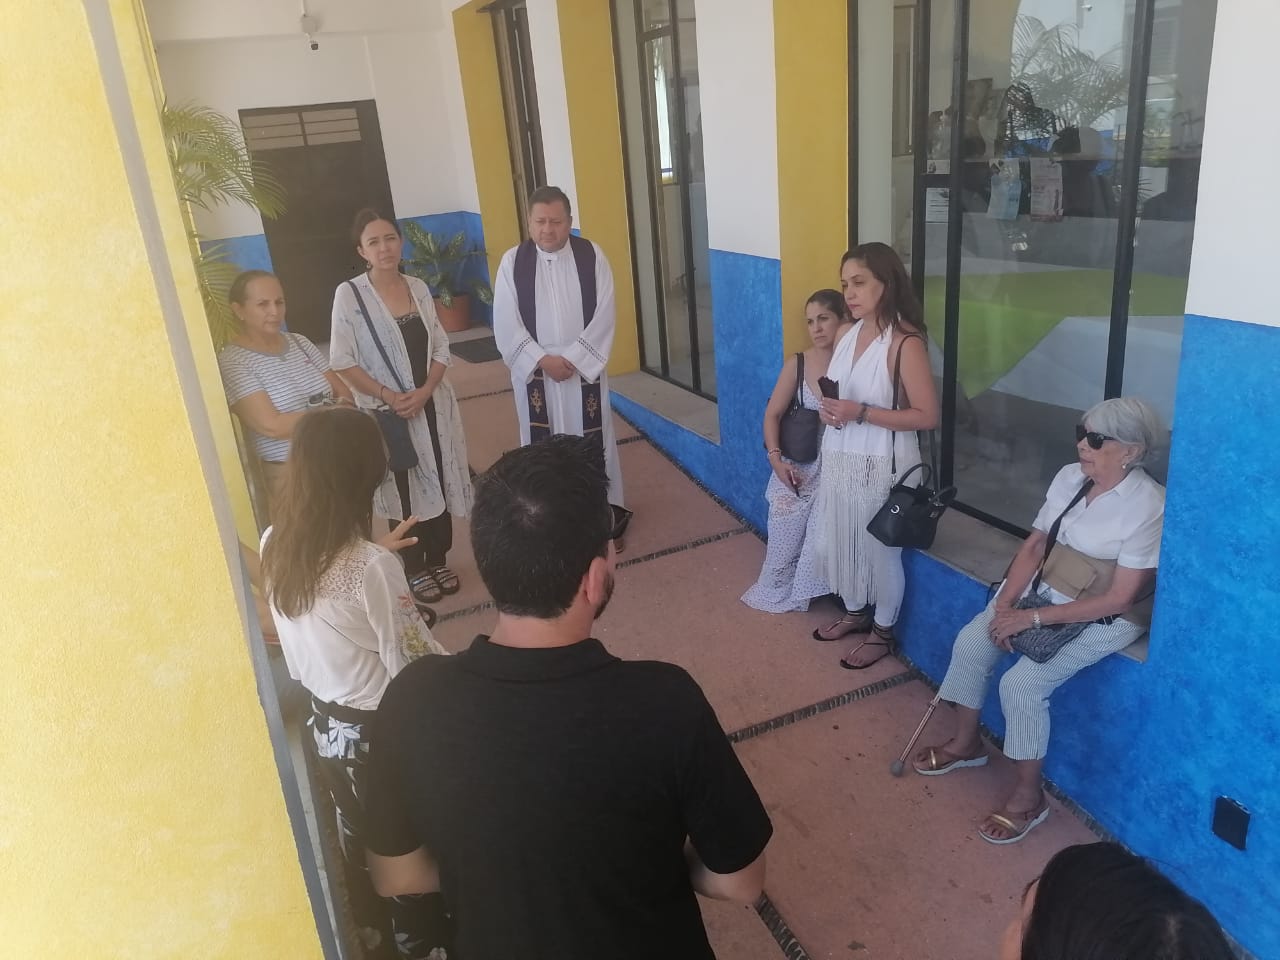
347 624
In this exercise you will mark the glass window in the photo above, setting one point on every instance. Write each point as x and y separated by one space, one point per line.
1177 85
1038 149
662 114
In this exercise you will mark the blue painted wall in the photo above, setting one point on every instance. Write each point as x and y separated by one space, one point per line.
248 253
746 303
1143 747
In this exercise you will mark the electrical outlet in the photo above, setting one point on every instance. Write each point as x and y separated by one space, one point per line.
1231 821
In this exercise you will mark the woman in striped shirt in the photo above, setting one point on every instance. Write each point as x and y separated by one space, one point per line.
271 376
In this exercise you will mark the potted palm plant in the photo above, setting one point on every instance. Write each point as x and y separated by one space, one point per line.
212 167
441 264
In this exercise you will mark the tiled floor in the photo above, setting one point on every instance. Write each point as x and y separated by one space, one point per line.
862 865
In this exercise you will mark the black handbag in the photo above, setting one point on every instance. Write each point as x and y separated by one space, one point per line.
1042 643
799 428
909 517
401 454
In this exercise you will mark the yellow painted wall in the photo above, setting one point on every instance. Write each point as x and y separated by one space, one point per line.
141 813
812 65
143 72
595 129
491 156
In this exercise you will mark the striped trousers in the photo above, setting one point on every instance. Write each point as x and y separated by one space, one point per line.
1025 689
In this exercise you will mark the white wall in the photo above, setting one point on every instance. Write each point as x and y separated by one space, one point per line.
412 73
1238 212
171 21
468 194
739 124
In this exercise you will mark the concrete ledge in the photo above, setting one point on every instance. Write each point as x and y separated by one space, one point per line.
971 547
670 402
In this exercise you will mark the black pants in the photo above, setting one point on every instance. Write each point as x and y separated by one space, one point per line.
435 535
412 926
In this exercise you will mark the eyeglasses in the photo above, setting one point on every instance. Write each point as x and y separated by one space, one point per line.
621 516
1096 440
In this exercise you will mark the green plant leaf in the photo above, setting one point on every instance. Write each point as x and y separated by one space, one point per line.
215 274
211 164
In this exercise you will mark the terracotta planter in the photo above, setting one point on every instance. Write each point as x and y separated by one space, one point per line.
456 317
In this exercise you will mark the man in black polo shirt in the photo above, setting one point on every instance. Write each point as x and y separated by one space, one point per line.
567 803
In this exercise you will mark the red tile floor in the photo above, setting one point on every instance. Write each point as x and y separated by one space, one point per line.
862 865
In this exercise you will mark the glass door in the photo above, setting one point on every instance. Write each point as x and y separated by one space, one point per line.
519 102
662 119
1054 154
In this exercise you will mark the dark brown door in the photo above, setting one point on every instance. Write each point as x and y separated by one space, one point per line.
329 159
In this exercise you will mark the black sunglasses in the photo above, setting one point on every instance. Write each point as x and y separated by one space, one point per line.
621 516
1096 440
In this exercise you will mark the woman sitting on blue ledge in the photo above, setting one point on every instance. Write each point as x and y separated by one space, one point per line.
1087 571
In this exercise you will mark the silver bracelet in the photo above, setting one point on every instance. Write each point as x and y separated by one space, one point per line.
1035 619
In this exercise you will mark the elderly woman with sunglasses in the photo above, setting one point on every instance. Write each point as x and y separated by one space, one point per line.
1100 526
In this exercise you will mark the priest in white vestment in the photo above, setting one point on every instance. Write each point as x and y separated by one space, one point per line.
558 355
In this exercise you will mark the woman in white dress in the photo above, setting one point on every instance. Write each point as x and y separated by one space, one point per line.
868 445
347 624
789 576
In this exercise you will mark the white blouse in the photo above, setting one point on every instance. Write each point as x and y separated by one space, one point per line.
1123 524
361 631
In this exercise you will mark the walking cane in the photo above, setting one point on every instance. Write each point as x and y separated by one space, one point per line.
896 767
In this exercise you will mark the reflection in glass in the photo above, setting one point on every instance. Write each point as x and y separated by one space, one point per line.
642 203
1182 36
666 180
1042 141
1043 133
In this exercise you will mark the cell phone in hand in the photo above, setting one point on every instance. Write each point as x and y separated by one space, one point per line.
830 390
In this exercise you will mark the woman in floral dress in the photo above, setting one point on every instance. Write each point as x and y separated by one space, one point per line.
347 624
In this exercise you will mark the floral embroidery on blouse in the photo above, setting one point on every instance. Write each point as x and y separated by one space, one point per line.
415 639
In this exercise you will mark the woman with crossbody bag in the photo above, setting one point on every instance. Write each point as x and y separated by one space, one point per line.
882 393
1078 590
792 438
388 343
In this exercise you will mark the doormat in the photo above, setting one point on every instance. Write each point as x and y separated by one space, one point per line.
476 351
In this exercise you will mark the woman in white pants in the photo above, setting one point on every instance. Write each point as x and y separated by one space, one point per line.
886 394
1108 514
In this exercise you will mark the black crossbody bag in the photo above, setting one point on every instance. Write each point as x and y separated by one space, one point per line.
401 454
799 427
1042 643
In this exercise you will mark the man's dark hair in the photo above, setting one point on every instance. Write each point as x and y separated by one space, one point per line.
541 517
550 195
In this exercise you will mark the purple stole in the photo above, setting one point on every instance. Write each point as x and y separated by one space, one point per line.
526 268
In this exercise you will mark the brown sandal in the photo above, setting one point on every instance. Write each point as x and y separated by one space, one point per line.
860 623
878 637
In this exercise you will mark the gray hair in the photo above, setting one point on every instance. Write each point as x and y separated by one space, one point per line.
1132 421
